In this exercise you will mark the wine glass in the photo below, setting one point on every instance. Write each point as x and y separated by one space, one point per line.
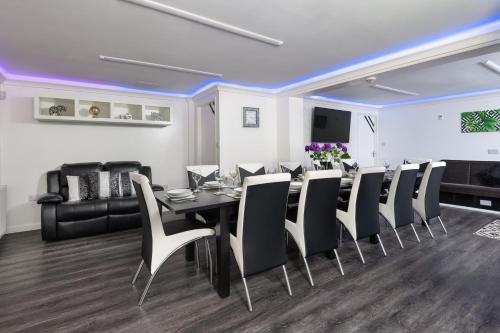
271 171
387 165
219 176
196 175
234 175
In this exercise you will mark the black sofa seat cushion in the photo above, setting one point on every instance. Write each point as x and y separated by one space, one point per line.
477 190
124 221
123 205
81 210
89 227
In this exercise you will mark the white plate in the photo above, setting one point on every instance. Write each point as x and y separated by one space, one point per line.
189 197
179 193
296 184
238 190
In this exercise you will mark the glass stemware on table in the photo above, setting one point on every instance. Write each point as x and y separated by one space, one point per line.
196 175
234 177
219 177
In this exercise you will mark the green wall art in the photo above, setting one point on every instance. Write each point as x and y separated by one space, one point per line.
481 121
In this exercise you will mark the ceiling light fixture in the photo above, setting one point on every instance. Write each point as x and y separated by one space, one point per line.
371 81
492 66
206 21
151 64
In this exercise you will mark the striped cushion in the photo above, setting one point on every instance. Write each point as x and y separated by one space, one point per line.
100 185
78 188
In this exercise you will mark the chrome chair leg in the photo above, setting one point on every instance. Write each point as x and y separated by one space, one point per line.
415 231
308 272
381 245
287 282
340 234
442 224
359 251
399 239
428 228
207 245
197 255
248 294
338 260
146 289
138 271
209 253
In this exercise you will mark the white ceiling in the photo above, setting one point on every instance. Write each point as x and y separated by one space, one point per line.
62 39
457 75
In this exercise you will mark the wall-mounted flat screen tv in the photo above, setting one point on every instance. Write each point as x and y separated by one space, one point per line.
330 125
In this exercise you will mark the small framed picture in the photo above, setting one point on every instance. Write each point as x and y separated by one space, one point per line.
250 117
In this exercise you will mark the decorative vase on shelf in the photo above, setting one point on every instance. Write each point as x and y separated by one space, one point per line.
57 110
94 111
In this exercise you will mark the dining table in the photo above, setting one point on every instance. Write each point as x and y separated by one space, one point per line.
226 203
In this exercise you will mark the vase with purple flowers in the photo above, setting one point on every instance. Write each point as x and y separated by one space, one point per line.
327 156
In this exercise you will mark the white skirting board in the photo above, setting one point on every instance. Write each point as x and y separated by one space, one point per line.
471 208
3 210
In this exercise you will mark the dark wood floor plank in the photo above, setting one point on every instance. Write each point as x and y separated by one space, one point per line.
446 284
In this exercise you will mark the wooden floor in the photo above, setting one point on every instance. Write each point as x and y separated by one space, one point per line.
449 284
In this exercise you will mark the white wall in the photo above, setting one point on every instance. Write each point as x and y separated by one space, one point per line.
31 148
415 131
239 144
205 132
353 145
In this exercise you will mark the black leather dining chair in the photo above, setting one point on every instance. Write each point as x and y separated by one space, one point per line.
396 207
315 229
361 218
426 201
249 169
258 243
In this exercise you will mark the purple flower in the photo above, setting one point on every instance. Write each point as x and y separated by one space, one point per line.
339 145
344 149
307 148
327 146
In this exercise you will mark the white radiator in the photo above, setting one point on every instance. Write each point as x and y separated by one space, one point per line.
3 210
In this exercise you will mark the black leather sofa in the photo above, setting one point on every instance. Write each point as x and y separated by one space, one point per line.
63 219
471 183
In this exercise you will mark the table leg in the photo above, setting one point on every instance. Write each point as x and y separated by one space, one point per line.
223 253
189 252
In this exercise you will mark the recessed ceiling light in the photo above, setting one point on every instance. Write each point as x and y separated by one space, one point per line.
492 66
151 64
206 21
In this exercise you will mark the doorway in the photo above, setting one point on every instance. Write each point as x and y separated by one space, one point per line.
206 152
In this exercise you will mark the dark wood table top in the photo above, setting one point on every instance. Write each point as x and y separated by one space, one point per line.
205 199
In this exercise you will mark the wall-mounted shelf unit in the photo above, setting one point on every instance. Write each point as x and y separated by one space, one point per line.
111 112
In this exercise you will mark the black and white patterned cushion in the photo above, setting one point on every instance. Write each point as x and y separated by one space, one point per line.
100 185
78 188
121 184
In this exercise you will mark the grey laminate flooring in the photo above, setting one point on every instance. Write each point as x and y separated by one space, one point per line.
447 284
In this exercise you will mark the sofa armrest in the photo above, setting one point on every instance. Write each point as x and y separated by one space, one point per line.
49 222
157 187
53 198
